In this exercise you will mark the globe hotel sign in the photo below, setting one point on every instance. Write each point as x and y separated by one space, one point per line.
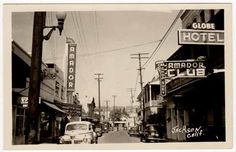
201 33
71 67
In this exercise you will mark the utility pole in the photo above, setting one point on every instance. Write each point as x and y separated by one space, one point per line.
32 134
32 125
107 108
99 102
132 97
114 107
141 56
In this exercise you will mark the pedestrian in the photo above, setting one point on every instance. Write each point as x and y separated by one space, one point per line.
63 125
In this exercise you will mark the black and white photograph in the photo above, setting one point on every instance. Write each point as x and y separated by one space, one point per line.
118 74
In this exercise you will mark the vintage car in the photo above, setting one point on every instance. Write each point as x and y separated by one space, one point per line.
79 132
98 130
153 133
133 131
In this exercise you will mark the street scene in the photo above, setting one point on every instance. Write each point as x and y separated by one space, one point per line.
118 76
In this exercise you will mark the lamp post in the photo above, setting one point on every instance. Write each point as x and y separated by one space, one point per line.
33 121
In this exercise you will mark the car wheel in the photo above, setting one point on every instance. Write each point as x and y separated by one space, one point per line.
143 139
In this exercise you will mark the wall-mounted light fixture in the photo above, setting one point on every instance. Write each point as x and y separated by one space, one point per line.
60 19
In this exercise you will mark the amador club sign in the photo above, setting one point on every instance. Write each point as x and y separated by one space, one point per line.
179 69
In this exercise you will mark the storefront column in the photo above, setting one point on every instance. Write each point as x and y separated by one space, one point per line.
173 122
178 123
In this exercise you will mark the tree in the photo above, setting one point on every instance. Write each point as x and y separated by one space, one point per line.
124 113
116 115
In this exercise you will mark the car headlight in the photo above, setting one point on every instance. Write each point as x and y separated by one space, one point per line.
61 140
87 139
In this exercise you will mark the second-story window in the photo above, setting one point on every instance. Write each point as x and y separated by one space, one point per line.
57 89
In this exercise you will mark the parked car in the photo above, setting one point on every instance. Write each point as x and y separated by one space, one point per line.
153 133
79 132
105 127
98 131
133 131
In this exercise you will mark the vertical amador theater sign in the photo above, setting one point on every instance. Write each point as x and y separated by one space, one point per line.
71 66
201 33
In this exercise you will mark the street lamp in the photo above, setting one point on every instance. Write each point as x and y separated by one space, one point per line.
60 19
32 126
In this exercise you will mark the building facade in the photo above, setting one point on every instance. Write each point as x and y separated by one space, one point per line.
21 62
198 104
192 108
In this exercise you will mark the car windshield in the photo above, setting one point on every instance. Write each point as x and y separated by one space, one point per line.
152 128
76 127
133 128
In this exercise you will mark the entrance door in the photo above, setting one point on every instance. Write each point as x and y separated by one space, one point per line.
19 126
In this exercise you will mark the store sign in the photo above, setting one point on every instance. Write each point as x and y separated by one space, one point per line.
180 69
185 69
162 74
71 67
49 74
202 33
25 100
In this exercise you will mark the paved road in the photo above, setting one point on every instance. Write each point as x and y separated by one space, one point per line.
117 137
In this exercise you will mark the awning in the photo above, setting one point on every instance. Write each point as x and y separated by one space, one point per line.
53 107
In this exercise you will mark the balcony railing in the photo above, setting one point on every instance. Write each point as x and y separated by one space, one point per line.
154 103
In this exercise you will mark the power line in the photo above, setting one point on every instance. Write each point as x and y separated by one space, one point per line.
106 51
164 37
118 49
97 32
83 41
77 28
82 31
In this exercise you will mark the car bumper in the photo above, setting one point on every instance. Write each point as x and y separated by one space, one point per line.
155 139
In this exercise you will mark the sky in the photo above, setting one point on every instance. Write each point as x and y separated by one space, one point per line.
105 40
